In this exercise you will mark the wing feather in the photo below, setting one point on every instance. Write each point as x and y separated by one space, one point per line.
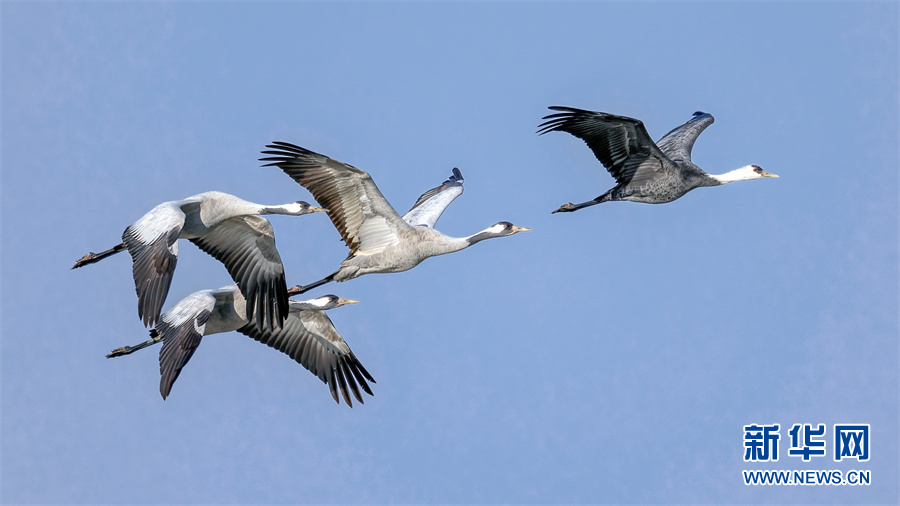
308 336
366 221
246 245
431 204
181 329
678 143
152 242
621 144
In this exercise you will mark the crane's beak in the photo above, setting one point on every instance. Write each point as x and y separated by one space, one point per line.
346 301
767 174
314 209
516 229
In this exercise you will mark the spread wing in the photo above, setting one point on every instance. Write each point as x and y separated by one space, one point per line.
246 245
152 242
366 221
309 337
678 143
621 144
428 209
181 328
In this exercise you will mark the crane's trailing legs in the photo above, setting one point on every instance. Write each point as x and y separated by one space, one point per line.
155 337
96 257
298 289
570 207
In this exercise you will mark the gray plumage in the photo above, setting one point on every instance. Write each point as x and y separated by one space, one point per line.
648 172
222 225
308 336
379 239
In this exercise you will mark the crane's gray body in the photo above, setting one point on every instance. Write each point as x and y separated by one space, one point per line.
646 172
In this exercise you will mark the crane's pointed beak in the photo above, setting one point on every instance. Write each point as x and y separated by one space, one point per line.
314 209
516 229
341 301
767 174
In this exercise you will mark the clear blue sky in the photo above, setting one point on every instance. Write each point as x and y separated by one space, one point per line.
611 355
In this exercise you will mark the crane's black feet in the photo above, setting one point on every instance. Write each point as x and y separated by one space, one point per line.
118 352
127 350
565 208
298 289
87 259
96 257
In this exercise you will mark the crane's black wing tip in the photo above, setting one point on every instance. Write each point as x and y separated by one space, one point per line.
566 108
558 120
284 150
283 145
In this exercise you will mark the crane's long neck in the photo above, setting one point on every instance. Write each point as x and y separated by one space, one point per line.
742 174
279 209
476 238
432 243
236 206
454 244
445 245
293 209
501 229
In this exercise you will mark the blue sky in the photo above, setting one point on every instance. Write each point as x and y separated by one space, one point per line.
612 355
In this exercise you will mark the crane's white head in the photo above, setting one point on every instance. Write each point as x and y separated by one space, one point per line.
324 302
502 229
296 209
293 209
300 207
745 173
